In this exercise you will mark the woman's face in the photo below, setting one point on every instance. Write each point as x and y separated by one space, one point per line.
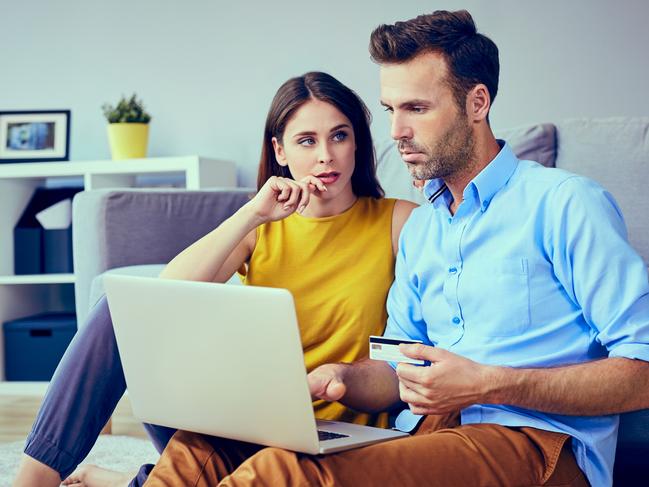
319 141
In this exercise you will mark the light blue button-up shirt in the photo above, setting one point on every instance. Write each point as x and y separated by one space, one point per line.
533 270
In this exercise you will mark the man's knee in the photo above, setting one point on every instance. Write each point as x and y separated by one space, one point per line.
186 440
270 467
274 458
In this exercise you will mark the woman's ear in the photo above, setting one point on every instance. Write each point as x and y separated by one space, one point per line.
279 152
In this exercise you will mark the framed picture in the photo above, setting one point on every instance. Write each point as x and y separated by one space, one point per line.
35 136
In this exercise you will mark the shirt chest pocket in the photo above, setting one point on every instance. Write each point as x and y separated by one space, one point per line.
497 297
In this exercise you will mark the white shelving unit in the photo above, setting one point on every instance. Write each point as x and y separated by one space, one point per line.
25 295
38 279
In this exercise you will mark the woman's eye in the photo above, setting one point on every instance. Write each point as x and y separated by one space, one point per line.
339 136
306 142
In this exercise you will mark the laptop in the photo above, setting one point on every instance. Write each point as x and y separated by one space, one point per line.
224 360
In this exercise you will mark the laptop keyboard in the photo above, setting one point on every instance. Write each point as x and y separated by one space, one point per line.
328 435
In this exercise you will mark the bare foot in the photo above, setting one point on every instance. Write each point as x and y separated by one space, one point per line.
34 473
94 476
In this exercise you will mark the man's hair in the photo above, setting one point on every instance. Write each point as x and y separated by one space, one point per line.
472 58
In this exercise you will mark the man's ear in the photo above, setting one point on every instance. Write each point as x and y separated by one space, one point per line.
478 103
279 152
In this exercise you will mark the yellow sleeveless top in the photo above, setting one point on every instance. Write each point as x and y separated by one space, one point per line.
339 270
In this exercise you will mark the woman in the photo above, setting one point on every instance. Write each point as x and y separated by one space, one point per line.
318 226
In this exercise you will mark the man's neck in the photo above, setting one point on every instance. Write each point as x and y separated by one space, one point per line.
486 150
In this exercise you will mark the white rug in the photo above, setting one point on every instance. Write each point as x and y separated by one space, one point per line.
122 453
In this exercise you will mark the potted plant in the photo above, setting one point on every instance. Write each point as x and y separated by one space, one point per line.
128 129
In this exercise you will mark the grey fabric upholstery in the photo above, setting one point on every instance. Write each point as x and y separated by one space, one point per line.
533 142
117 228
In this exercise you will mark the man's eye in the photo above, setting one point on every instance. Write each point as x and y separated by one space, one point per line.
306 142
418 109
388 109
339 136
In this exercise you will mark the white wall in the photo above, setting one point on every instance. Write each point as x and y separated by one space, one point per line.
207 69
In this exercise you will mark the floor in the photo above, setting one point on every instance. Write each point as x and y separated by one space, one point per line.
17 413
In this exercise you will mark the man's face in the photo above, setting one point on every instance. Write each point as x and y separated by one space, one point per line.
432 132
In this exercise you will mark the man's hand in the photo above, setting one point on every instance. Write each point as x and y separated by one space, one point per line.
451 382
327 382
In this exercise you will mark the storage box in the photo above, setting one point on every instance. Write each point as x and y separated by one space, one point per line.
57 251
34 345
37 250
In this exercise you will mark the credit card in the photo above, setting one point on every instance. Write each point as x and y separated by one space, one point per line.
387 349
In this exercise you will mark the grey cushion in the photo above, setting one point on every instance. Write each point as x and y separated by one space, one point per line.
614 152
117 228
532 142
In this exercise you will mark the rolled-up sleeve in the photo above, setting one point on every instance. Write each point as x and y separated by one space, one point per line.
598 267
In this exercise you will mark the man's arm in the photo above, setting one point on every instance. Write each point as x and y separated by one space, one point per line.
607 386
366 385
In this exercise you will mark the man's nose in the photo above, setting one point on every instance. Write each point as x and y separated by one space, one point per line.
400 130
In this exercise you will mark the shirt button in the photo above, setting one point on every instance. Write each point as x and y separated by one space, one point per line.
450 220
456 320
453 270
485 204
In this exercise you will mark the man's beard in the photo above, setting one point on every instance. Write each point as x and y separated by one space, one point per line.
453 152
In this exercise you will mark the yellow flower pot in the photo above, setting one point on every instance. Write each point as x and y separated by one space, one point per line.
128 140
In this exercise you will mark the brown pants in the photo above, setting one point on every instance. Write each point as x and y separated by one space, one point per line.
441 453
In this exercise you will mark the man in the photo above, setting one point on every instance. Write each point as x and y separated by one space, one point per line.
532 307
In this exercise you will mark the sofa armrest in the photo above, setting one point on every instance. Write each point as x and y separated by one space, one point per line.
117 228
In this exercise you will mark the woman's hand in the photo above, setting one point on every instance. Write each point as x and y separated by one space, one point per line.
280 197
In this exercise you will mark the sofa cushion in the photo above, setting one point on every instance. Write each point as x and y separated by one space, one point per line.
532 142
614 152
117 228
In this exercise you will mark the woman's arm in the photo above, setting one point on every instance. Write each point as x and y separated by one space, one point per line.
400 213
218 255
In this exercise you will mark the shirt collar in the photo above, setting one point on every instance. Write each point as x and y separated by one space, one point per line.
487 183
